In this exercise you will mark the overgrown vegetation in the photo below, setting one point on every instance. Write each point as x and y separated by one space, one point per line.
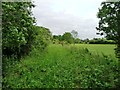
29 63
63 67
43 38
17 29
19 34
109 15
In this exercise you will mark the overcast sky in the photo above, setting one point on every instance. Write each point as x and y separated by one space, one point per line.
66 15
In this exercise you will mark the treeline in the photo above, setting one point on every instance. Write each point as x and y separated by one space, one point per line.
101 41
68 37
20 35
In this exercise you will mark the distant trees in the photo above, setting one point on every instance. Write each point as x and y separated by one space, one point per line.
109 23
101 41
58 37
67 37
86 41
74 34
77 41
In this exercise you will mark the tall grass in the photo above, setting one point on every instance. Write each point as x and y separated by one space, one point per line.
63 67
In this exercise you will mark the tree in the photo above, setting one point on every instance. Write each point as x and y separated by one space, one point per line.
77 40
86 40
68 37
74 34
17 28
58 37
109 23
43 37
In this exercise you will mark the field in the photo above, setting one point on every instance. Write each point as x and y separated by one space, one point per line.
68 66
100 48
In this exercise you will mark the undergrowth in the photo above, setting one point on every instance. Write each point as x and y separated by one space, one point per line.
62 67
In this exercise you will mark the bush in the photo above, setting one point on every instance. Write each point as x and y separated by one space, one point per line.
63 67
43 38
17 28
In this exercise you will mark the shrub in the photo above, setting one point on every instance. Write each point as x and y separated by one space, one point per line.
17 28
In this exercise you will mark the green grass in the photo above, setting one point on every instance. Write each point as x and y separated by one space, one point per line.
68 66
99 48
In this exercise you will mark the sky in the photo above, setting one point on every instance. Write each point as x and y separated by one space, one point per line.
62 16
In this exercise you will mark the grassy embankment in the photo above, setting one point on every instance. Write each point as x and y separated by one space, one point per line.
65 66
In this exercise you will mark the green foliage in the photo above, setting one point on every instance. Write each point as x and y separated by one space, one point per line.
85 41
17 28
77 41
63 67
43 37
68 37
59 37
109 15
107 49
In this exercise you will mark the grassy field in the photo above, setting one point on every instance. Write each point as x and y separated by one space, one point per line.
68 66
99 48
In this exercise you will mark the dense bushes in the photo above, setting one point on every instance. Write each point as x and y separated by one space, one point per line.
43 37
64 67
20 35
95 71
17 28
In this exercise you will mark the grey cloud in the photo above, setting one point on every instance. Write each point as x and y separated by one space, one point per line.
60 22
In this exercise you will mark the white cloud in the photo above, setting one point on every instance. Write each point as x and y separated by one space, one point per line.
65 15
